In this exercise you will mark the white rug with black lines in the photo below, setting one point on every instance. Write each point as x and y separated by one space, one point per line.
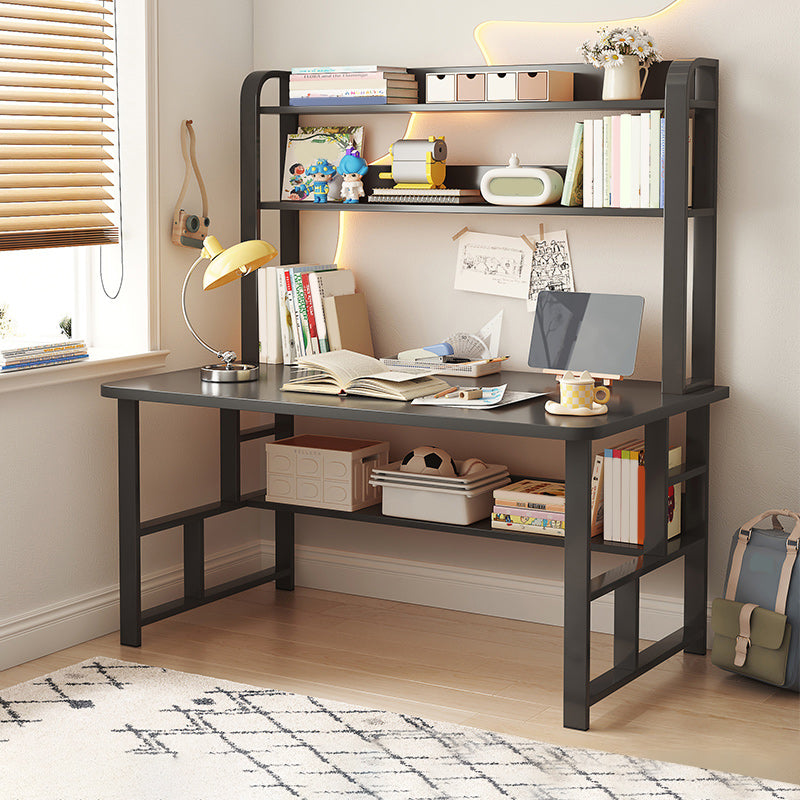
106 729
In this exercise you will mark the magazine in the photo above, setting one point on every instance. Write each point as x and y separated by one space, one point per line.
348 373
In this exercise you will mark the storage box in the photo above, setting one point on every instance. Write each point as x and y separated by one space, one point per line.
470 87
544 85
324 471
440 87
501 86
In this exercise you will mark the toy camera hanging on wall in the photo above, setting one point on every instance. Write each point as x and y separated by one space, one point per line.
418 163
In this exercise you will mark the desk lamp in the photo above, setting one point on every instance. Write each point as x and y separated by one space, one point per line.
226 266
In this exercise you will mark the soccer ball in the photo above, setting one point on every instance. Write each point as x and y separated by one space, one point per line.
427 460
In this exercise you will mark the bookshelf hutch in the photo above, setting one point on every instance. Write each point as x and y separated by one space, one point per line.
678 88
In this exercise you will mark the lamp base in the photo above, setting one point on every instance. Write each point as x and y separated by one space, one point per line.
229 373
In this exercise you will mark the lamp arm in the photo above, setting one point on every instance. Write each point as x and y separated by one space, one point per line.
228 356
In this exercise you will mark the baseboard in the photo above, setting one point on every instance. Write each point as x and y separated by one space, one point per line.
462 589
94 614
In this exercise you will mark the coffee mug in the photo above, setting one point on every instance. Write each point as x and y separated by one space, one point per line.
579 391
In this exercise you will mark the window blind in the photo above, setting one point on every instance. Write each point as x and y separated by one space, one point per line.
57 121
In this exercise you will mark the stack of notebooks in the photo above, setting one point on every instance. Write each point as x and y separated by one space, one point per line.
27 356
537 506
618 162
351 86
623 487
311 309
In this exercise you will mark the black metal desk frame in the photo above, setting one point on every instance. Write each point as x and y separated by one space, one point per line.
634 404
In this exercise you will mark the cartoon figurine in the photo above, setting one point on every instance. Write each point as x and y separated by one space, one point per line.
352 168
321 172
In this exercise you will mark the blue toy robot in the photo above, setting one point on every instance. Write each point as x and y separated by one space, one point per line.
321 172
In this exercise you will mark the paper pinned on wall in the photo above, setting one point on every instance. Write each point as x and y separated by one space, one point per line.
551 268
493 264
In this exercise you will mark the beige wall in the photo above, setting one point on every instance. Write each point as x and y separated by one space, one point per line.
58 522
405 262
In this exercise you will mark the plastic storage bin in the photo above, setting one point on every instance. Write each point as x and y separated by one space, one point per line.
470 87
440 87
501 86
324 471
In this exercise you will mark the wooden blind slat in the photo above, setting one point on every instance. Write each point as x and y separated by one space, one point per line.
77 110
22 167
77 237
50 82
19 152
40 54
66 5
13 137
25 40
37 28
17 95
9 12
55 222
68 208
46 180
52 124
52 68
52 194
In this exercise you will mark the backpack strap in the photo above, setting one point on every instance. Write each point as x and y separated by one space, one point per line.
743 639
792 544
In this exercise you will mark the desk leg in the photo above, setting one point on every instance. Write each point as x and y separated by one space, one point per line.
577 573
130 558
284 520
695 519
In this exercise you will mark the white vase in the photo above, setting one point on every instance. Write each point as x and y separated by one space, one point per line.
621 80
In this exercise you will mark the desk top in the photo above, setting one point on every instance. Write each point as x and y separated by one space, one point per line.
633 403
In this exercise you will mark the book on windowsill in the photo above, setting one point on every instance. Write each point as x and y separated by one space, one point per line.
344 372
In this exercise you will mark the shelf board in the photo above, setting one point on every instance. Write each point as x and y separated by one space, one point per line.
472 208
519 105
483 528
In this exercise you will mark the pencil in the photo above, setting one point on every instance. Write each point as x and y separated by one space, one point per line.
445 392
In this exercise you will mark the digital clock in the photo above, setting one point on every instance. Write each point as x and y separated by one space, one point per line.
521 186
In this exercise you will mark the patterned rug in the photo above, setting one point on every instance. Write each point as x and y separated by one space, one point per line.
107 729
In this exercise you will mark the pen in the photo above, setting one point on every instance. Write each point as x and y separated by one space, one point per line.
445 392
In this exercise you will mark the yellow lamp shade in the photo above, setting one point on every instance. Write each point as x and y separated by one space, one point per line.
231 264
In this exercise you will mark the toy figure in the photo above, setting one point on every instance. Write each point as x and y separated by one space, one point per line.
352 168
321 172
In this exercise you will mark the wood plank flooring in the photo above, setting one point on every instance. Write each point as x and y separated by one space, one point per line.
492 673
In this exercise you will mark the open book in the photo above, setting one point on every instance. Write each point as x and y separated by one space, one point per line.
346 372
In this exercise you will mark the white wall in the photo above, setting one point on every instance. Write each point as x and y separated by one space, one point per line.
58 524
403 261
58 486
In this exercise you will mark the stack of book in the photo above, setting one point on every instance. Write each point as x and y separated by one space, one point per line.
27 356
623 489
537 506
618 162
351 85
311 309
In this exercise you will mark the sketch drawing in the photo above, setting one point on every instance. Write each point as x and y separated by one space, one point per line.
551 267
493 264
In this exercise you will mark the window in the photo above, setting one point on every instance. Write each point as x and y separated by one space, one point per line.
59 156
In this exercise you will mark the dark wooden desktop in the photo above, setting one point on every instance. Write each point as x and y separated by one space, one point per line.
634 404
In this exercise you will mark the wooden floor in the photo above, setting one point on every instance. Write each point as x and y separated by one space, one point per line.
491 673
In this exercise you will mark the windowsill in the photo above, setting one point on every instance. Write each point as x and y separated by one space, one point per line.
100 364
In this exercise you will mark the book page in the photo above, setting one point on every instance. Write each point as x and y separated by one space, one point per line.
344 365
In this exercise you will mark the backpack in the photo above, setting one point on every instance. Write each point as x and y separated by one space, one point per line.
757 624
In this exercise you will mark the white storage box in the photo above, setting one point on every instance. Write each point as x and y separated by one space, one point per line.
324 471
501 86
461 501
440 87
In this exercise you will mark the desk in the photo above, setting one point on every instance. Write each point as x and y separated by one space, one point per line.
634 404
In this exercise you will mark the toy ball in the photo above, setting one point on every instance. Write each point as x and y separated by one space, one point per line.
471 466
427 460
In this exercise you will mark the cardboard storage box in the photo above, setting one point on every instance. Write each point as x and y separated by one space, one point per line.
544 85
440 87
470 87
324 471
